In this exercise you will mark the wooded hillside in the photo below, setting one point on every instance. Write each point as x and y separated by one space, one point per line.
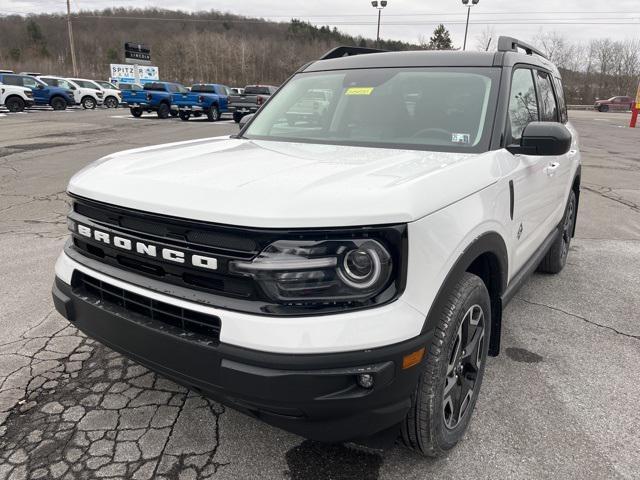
203 46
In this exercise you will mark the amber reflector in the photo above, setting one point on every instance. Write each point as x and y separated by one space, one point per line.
412 359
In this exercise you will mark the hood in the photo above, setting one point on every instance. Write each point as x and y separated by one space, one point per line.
284 185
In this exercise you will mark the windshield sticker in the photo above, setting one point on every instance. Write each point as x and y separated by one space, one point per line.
359 91
463 138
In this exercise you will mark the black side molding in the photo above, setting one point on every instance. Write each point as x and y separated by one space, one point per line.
529 267
511 199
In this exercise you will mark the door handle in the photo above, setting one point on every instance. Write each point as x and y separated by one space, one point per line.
551 168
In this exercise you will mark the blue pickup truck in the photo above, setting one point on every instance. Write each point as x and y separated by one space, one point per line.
210 99
154 97
58 98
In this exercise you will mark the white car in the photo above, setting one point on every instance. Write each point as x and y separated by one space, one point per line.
90 85
15 98
88 97
112 94
343 278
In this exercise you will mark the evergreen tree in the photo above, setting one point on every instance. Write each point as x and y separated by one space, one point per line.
441 39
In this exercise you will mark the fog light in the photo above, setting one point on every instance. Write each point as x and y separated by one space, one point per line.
365 380
71 225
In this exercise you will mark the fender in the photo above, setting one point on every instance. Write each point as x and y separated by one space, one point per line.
488 243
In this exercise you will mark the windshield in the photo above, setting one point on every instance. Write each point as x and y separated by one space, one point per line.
446 109
199 88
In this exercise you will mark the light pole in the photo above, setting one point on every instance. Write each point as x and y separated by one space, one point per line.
379 5
466 28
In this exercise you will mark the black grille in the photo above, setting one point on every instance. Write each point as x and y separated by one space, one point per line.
160 315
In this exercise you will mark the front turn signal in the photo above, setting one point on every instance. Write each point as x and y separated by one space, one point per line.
413 359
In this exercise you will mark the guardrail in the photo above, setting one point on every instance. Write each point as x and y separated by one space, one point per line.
580 107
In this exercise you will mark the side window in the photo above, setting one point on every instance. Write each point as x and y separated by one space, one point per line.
172 88
29 82
523 104
12 80
562 103
548 107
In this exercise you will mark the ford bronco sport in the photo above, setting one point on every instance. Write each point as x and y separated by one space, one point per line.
340 278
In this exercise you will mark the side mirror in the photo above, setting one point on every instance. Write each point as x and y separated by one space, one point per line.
244 120
543 138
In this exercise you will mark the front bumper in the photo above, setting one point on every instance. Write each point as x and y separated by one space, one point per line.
313 395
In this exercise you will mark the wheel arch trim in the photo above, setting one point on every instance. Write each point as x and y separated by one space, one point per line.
489 243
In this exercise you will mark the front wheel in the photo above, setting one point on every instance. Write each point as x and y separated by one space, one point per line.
163 111
603 108
58 103
449 386
111 102
184 116
14 104
556 258
89 103
213 115
136 112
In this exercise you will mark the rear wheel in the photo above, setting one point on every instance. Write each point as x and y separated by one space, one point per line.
163 111
556 258
136 112
449 386
603 108
111 102
89 103
184 116
213 115
14 104
58 103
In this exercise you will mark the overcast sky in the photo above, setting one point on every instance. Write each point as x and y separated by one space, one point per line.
407 19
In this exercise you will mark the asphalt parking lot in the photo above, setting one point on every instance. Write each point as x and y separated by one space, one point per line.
560 402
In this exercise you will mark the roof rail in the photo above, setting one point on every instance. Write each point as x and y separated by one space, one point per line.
509 44
348 52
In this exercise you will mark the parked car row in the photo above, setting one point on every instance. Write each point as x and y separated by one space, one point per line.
210 99
26 89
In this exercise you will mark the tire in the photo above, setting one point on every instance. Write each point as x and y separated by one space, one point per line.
432 426
213 115
184 116
556 258
603 108
136 112
163 111
88 103
237 117
111 102
58 103
14 104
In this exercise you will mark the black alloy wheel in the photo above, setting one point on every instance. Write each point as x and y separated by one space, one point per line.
464 364
111 102
58 103
14 104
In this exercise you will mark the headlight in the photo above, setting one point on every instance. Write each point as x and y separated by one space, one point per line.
320 271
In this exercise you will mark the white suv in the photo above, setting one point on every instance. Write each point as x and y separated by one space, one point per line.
88 97
112 94
342 277
15 98
89 85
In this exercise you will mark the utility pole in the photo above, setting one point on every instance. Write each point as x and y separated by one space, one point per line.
379 5
71 45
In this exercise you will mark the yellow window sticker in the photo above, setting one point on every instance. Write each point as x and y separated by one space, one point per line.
359 91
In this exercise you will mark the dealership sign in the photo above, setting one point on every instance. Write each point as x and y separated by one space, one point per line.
127 73
137 53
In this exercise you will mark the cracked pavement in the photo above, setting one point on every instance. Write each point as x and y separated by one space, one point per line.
560 401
